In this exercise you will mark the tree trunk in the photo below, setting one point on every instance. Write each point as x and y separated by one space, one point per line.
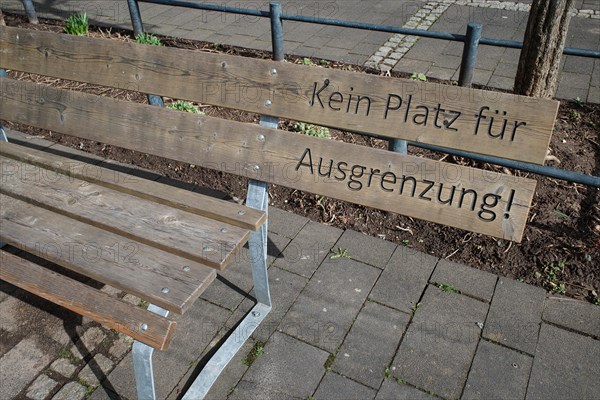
537 75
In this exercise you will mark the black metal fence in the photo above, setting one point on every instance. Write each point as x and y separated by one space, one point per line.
472 39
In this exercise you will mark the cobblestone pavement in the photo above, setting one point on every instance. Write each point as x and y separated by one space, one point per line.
386 323
496 67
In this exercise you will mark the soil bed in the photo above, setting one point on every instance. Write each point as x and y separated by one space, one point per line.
561 243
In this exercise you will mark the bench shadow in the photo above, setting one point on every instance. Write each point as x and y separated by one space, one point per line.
70 320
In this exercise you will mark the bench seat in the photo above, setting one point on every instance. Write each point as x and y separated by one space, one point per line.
160 243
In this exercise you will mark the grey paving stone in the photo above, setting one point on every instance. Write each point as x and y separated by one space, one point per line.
41 387
336 387
288 366
409 65
481 76
24 362
573 314
370 345
441 73
392 390
574 80
579 65
325 309
88 342
251 390
285 223
367 249
71 391
515 315
95 370
505 69
565 366
467 280
594 95
501 82
306 251
285 288
497 373
63 367
567 92
121 346
404 279
196 329
440 342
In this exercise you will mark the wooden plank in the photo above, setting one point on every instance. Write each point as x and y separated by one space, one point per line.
281 158
206 206
108 258
84 300
493 123
178 232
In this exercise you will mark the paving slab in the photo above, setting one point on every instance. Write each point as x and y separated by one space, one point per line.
287 366
285 287
371 343
310 246
565 366
21 365
573 314
497 373
328 304
467 280
393 390
41 387
337 387
95 370
440 343
367 249
515 315
404 279
71 391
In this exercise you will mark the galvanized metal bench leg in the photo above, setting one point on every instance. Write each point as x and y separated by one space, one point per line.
258 198
3 138
142 363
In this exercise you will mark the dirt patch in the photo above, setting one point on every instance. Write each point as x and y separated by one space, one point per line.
561 245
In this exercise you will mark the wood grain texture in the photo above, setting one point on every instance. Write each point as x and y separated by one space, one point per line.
108 258
237 82
178 232
87 301
273 156
206 206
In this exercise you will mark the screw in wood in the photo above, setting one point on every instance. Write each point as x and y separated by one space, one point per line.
165 290
144 327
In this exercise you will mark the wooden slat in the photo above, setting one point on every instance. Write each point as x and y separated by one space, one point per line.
294 91
86 301
219 210
240 147
108 258
178 232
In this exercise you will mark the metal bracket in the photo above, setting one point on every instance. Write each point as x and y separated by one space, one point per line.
142 363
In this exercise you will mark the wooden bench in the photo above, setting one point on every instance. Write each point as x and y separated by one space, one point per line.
181 237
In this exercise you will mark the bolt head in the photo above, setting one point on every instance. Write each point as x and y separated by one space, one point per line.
241 212
255 314
144 327
268 103
261 138
223 230
255 168
186 268
273 71
165 290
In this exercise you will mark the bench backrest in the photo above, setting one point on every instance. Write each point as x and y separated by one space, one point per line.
484 122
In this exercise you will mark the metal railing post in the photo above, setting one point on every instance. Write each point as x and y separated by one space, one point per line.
136 17
138 28
30 11
469 56
276 31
